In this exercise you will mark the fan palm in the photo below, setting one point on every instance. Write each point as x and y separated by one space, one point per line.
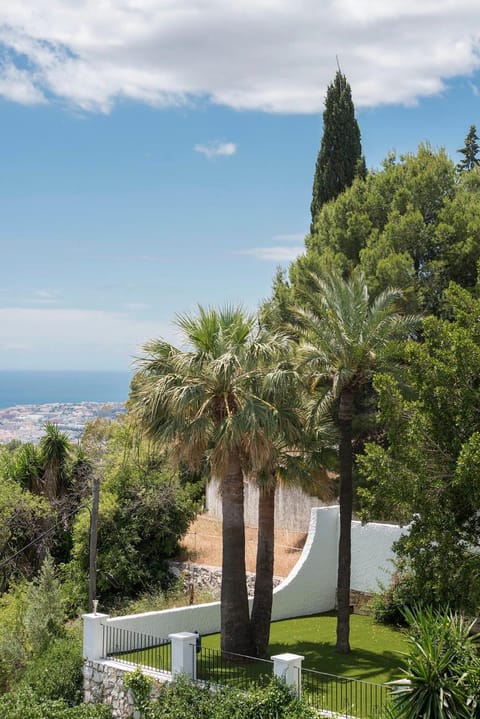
346 337
204 402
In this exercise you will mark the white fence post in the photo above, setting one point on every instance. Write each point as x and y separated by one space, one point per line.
93 635
184 655
288 667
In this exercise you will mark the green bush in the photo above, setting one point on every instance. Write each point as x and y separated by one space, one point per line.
189 701
57 673
25 705
142 516
389 605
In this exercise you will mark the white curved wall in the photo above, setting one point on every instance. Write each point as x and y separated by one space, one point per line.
309 588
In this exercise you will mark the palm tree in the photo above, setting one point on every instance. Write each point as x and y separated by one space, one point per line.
55 451
203 404
345 337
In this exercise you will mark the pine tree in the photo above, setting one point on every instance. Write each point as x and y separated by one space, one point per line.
469 151
340 157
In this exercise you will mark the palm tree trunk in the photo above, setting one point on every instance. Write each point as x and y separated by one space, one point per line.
345 414
236 634
262 601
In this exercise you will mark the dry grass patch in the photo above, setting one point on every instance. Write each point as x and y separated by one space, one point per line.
203 545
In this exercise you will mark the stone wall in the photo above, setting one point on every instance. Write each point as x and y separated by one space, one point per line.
208 578
103 683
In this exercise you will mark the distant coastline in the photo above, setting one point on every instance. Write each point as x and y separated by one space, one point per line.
23 387
26 422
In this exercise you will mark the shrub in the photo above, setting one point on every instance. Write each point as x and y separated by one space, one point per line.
57 673
390 604
24 705
189 701
44 614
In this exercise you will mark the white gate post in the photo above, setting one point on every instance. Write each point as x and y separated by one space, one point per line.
184 655
288 667
93 635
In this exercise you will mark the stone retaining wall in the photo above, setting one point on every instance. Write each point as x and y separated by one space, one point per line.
208 578
103 683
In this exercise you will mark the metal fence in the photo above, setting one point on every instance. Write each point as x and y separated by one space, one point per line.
340 696
136 648
228 668
344 697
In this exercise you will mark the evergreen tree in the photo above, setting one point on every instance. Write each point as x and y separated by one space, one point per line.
469 151
340 157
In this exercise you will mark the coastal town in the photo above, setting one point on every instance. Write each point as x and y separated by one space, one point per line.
26 422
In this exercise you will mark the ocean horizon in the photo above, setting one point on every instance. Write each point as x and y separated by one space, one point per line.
20 387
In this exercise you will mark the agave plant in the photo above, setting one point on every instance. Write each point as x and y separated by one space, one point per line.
441 680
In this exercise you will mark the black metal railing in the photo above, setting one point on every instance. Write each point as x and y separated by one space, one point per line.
136 648
228 668
344 696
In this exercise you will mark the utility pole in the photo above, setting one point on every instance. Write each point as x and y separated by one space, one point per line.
92 572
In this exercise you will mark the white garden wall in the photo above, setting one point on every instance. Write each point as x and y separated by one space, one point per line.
309 588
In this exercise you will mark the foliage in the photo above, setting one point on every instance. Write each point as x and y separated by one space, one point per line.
190 701
54 454
340 158
23 518
31 617
44 614
414 224
140 686
25 705
144 510
222 403
155 600
428 465
344 337
390 603
441 680
56 673
13 651
469 151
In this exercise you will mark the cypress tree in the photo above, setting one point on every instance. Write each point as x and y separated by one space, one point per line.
469 151
340 157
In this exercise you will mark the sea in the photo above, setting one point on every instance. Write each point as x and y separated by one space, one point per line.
20 387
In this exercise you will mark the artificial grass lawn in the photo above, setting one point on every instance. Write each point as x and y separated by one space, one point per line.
375 658
376 654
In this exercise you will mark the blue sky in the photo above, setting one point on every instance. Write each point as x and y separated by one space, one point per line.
159 154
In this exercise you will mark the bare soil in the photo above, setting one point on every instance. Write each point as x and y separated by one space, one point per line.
203 545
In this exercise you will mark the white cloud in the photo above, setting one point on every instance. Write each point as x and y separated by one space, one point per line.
78 336
19 86
270 55
275 254
215 148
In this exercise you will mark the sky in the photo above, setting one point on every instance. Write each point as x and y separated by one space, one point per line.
159 154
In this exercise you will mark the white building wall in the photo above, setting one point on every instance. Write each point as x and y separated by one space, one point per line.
310 587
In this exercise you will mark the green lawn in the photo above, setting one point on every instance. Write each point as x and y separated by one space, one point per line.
375 658
376 649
